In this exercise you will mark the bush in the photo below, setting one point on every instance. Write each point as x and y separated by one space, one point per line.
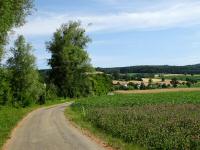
164 85
191 80
5 90
101 84
142 86
188 83
174 82
51 92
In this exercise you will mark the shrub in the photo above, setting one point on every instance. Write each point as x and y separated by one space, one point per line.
164 85
101 84
5 90
188 83
142 86
174 82
51 92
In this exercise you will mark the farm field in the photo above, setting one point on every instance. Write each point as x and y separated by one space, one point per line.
157 90
149 121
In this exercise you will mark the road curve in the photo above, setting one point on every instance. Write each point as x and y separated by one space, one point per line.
48 129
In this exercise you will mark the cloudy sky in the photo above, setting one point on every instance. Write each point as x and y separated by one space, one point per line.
123 32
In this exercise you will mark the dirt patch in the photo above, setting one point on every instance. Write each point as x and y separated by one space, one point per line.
158 90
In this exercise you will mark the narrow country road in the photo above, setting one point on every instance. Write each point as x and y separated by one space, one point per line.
48 129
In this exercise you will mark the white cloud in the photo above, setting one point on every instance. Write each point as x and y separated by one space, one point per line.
180 15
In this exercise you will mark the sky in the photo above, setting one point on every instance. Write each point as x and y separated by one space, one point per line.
123 32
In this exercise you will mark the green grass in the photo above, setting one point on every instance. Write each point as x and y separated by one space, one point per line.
10 116
153 121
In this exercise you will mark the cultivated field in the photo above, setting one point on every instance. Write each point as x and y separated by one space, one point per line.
151 121
157 90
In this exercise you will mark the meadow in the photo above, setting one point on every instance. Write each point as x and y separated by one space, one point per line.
149 121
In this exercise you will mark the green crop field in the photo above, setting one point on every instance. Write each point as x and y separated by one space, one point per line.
150 121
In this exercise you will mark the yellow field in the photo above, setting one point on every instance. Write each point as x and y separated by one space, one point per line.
158 90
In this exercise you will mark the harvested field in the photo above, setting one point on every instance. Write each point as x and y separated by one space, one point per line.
158 90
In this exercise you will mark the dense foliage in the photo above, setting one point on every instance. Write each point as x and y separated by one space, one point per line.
71 75
101 84
190 69
5 89
131 76
153 121
12 14
70 63
24 80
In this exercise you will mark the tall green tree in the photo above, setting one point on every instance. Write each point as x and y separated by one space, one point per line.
70 62
12 14
24 81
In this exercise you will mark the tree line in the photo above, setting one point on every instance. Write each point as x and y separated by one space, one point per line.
189 69
71 74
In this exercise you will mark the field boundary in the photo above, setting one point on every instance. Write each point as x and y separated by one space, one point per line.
95 134
157 91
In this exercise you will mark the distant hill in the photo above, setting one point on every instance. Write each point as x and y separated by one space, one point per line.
189 69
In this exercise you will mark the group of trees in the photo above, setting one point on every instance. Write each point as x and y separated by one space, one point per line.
127 77
19 79
12 14
71 71
71 74
188 82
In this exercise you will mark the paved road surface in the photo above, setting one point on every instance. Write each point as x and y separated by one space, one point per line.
47 129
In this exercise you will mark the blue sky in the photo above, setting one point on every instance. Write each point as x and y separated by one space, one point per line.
123 32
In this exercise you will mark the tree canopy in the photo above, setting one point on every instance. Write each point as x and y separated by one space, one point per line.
70 61
24 80
12 14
